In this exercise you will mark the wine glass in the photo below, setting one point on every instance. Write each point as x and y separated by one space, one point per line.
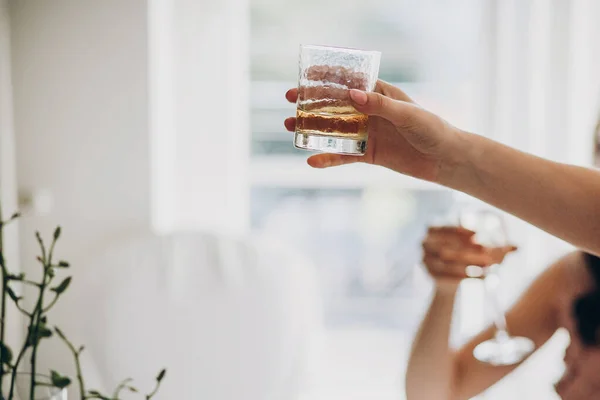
503 349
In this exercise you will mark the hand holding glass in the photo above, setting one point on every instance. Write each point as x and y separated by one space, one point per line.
325 118
503 349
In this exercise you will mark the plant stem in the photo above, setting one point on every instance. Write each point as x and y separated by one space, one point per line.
52 303
39 308
14 372
32 283
120 388
37 314
77 363
151 394
24 311
3 299
37 317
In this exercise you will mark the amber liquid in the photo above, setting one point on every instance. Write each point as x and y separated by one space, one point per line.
341 122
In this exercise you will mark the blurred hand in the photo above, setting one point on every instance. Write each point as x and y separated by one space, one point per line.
402 136
448 251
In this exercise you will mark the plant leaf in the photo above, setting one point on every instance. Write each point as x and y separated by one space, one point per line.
132 389
57 233
59 332
12 294
15 216
63 286
35 336
94 394
59 380
161 375
44 332
6 352
63 264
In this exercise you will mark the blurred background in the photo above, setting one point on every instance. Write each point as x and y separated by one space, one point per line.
152 131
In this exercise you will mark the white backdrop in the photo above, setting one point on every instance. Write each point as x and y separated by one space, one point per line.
8 184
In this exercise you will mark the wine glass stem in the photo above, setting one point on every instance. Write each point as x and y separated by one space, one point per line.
491 291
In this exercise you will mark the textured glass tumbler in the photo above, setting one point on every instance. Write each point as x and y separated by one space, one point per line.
326 121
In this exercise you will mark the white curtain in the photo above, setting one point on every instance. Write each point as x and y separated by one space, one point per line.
546 89
540 92
199 83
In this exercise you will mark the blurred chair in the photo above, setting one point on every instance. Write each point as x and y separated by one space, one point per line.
229 318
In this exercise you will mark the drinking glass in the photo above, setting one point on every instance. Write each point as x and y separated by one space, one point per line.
326 121
503 349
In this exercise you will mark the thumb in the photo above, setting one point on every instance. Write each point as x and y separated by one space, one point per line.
372 103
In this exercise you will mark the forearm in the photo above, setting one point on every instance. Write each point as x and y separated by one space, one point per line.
563 200
431 365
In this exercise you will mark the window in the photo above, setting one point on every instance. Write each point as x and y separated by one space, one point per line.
360 225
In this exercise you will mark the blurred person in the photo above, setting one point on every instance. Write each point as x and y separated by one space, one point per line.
563 200
567 295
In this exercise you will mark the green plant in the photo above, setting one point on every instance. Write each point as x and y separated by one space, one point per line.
38 327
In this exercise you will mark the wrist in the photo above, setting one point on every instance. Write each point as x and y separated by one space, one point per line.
458 169
447 287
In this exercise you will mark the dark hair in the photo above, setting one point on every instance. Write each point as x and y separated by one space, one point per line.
587 307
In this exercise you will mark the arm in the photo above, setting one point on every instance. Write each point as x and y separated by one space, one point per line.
431 367
563 200
457 374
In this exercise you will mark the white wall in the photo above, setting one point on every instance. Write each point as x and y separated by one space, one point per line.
81 119
81 112
132 114
8 174
125 118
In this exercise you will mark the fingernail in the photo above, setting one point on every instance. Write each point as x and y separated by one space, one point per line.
358 96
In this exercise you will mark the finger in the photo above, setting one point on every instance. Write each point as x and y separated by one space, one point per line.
498 254
440 268
477 258
450 235
292 95
290 124
372 103
332 160
436 245
392 91
450 229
